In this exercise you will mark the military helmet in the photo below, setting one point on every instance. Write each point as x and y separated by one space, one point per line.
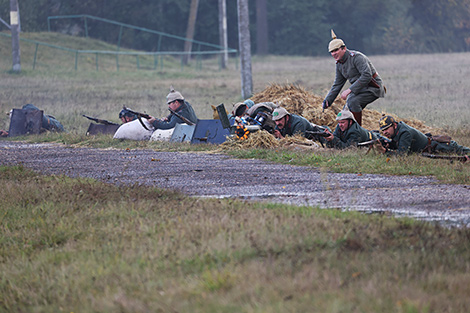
386 121
335 43
279 113
239 108
345 115
173 95
126 112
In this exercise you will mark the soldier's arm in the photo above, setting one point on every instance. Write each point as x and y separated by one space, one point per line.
403 144
338 84
363 67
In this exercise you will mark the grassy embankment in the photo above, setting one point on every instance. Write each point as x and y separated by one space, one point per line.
71 245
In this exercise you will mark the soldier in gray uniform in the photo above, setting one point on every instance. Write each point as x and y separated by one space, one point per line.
348 132
366 84
180 106
406 140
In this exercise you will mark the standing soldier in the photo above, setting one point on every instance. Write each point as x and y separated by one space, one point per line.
366 84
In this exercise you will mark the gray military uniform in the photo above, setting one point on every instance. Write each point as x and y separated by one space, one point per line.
366 84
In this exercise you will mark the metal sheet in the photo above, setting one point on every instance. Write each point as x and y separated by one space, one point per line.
95 129
210 131
25 122
183 133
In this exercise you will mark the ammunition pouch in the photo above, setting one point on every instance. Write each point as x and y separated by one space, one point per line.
434 141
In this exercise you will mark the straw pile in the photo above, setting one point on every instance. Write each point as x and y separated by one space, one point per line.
259 139
295 99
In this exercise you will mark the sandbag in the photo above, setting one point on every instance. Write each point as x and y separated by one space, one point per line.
162 134
134 130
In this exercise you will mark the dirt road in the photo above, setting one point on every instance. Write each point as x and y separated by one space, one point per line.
213 175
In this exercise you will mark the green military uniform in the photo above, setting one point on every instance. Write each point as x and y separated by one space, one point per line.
296 125
407 139
350 137
185 110
366 84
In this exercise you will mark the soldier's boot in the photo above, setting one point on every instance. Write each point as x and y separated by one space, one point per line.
358 117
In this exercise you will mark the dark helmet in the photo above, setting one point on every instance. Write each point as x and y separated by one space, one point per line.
125 112
386 121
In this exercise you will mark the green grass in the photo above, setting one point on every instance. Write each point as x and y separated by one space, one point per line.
77 245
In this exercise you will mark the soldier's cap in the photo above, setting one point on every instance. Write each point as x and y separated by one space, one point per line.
386 121
335 43
345 115
279 113
173 95
239 108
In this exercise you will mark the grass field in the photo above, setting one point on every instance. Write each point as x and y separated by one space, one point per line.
70 245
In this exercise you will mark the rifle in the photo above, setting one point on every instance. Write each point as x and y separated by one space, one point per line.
139 114
181 117
461 158
318 134
99 121
384 141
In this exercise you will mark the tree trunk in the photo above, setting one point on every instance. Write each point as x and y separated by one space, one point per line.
223 32
188 44
15 35
261 27
245 49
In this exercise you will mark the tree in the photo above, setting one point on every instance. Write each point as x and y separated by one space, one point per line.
190 31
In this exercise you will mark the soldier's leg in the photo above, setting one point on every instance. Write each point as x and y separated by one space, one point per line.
356 103
452 147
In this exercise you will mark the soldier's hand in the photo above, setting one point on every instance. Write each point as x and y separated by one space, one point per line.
325 104
378 147
277 134
330 137
345 94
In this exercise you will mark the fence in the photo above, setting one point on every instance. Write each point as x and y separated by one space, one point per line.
203 49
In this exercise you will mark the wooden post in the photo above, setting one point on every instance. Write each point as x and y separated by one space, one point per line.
15 35
261 27
245 49
223 32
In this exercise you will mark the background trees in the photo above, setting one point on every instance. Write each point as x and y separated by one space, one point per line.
294 27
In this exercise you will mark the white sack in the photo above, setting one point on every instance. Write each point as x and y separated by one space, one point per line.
134 130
